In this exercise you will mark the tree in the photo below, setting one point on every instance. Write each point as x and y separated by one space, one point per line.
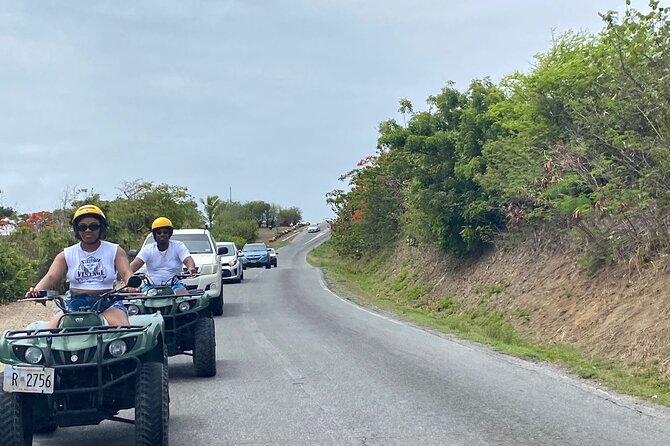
6 211
405 109
211 206
139 203
289 216
235 222
270 215
259 210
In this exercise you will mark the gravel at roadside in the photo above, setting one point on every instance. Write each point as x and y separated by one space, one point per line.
16 315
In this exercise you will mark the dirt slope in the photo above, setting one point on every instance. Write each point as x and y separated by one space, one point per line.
621 312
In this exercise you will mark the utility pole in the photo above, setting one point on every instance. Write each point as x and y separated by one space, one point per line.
230 195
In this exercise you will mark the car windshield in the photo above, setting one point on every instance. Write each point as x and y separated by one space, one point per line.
196 243
255 247
230 246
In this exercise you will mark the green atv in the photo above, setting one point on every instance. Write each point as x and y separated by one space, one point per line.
84 372
189 326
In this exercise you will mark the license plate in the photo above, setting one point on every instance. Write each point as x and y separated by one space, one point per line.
28 379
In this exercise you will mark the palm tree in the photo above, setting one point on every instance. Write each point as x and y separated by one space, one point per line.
211 204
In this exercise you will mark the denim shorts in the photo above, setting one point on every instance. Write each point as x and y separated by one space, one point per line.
176 287
75 301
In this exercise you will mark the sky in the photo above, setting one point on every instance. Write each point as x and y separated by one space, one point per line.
268 100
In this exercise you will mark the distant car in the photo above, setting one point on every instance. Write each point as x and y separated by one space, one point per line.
231 264
273 257
255 255
313 228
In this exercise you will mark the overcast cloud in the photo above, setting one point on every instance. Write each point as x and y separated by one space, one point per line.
272 99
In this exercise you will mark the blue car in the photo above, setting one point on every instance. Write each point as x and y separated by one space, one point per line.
256 255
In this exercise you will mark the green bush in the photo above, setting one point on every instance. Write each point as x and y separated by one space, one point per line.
16 273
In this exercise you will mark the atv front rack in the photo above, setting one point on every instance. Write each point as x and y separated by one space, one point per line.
16 335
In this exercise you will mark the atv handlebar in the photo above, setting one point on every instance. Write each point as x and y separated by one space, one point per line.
172 281
53 295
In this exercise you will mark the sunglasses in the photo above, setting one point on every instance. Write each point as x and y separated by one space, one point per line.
161 231
83 227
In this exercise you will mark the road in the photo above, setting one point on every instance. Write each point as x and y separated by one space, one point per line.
297 365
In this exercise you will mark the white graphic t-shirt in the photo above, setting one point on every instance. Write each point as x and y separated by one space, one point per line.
163 265
91 270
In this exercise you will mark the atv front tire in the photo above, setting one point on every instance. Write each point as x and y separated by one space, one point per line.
16 427
216 304
204 348
152 410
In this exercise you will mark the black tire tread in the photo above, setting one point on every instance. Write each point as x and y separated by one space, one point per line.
152 411
204 348
216 305
13 428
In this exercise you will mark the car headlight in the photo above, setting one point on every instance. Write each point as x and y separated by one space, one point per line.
232 262
184 306
208 269
133 310
33 355
117 348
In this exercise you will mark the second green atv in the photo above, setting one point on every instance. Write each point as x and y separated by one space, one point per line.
189 325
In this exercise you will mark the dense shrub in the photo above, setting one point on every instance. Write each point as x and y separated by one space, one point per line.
16 272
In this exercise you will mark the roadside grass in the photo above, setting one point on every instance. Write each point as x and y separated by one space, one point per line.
368 284
265 234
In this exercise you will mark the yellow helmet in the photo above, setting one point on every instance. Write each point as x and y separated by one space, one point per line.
88 209
161 222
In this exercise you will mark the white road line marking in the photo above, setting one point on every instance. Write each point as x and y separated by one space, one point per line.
290 237
312 239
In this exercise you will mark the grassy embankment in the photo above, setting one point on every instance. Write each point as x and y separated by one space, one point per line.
369 284
266 235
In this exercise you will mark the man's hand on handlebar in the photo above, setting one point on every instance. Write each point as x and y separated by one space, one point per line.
192 271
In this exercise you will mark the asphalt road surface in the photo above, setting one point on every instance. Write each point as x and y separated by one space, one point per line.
297 365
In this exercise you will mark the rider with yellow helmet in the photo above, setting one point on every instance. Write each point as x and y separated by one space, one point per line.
164 258
90 267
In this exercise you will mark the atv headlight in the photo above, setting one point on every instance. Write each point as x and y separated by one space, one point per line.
117 348
184 306
133 310
33 355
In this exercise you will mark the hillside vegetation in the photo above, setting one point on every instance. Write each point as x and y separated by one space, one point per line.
532 213
578 146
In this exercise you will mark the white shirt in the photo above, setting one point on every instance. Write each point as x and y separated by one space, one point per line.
163 265
91 270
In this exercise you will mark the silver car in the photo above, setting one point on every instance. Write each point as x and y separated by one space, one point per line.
273 257
231 265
